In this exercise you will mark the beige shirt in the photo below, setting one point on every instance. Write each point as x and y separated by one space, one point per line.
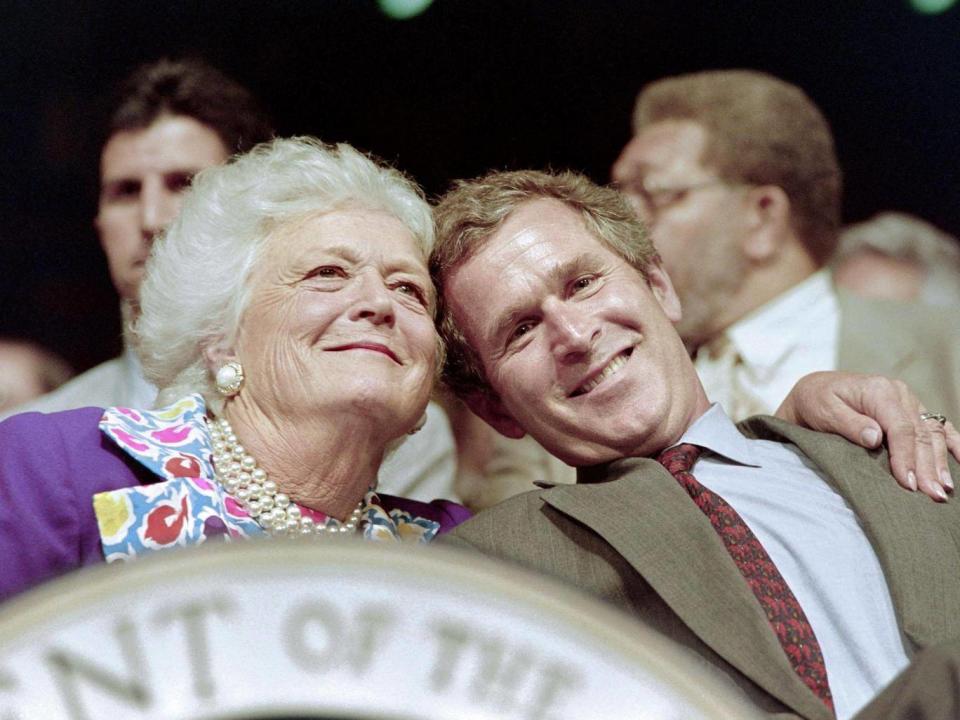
758 360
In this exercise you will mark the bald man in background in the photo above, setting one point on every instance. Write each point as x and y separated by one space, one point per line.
900 257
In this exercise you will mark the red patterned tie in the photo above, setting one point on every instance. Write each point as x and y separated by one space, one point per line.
778 601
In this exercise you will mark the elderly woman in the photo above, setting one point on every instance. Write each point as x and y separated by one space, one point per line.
287 316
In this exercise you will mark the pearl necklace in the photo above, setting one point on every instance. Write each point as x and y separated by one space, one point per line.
274 511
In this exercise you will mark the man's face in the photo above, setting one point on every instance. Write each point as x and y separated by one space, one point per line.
696 219
579 347
143 174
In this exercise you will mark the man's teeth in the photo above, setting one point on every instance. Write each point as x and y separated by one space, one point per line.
618 362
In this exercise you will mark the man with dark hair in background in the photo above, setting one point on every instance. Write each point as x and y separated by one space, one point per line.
736 175
172 120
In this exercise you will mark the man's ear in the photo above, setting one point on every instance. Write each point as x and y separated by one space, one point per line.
489 407
768 222
662 288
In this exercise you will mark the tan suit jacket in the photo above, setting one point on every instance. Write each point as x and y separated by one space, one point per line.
908 341
628 533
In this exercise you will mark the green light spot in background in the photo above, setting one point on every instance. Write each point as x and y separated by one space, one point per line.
404 9
932 7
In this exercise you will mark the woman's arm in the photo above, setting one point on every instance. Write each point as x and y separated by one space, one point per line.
864 408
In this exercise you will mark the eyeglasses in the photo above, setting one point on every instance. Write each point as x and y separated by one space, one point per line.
656 198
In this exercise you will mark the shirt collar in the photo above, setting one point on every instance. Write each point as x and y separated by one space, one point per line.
765 336
170 442
139 392
714 431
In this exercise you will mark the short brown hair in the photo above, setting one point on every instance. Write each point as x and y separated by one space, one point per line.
760 131
469 215
194 89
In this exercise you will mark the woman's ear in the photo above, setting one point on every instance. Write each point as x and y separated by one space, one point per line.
217 354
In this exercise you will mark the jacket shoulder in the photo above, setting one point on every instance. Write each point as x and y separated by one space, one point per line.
892 317
528 530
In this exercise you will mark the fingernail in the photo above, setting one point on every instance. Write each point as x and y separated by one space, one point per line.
939 492
911 480
870 437
946 480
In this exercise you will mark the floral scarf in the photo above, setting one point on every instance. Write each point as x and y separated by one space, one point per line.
188 506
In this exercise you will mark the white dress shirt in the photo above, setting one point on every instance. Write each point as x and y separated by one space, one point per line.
817 544
773 347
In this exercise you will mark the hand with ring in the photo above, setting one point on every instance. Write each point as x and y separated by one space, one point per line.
864 409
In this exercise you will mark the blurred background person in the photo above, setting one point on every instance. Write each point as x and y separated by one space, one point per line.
897 256
174 118
171 120
28 371
287 318
736 174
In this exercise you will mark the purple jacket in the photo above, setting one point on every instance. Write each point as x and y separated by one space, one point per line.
51 466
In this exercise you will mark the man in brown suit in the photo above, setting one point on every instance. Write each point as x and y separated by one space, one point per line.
559 323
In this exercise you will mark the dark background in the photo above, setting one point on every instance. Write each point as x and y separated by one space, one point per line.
466 86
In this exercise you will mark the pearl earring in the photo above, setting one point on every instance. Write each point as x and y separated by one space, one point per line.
230 378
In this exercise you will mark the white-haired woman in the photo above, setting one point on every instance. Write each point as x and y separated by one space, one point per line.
287 316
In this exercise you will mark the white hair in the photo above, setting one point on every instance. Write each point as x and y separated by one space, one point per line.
908 238
196 287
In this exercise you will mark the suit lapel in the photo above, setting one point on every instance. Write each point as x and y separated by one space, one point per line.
907 531
643 513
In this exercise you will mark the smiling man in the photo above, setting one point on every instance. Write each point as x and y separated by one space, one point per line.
788 559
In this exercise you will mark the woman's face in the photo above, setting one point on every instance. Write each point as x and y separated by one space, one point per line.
340 321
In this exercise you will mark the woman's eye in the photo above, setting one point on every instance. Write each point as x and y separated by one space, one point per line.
328 271
413 290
